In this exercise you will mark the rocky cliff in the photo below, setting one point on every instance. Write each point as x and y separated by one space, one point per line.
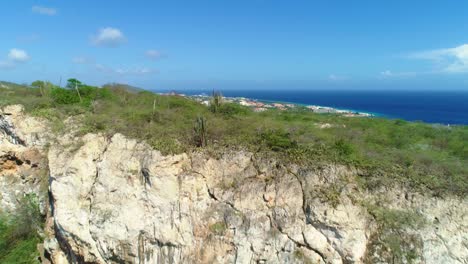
117 200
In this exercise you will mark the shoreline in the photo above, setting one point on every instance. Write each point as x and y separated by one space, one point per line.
204 97
371 114
259 105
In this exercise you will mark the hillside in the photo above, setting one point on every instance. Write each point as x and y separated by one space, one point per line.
275 186
424 156
126 87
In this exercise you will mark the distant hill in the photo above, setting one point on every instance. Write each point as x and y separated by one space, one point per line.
113 86
129 88
9 85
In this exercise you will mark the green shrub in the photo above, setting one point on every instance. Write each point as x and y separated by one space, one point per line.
396 219
218 228
344 148
277 140
64 96
392 242
232 109
18 233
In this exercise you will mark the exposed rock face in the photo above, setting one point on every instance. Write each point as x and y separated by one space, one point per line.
116 200
18 128
23 166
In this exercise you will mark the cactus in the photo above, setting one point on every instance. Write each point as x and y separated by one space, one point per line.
199 130
216 101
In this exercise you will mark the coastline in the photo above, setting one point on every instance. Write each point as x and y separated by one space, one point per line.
371 114
447 109
259 105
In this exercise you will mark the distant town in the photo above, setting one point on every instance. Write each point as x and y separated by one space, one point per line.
260 105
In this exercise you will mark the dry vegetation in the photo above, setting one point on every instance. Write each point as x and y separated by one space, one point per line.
426 157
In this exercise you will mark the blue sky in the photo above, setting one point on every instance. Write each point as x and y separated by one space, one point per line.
238 44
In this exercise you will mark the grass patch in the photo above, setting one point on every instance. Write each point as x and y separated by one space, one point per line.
392 243
218 228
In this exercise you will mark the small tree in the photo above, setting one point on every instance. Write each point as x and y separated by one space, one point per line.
40 85
74 84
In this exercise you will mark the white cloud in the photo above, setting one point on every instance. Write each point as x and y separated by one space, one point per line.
109 37
14 57
450 60
48 11
153 54
18 55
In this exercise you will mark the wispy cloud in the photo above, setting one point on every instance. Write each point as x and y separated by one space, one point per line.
108 37
18 55
105 69
29 38
386 73
449 60
48 11
391 74
154 54
82 60
334 77
136 71
6 65
125 70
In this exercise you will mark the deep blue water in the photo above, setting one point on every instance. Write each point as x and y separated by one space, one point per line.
445 107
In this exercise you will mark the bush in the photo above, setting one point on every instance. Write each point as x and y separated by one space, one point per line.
392 242
344 148
277 140
18 233
64 96
231 109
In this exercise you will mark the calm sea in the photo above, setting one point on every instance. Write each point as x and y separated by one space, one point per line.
445 107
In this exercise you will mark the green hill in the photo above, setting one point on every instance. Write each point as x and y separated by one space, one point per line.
126 87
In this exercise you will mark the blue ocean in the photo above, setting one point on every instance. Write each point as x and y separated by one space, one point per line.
444 107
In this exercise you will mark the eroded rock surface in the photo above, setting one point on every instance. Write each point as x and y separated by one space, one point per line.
118 201
23 165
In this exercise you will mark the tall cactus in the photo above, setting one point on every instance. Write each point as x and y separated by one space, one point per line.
216 101
199 130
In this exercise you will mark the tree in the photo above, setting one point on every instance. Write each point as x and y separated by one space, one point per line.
40 85
74 84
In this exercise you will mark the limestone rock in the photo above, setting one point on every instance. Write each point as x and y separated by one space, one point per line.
117 200
23 166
